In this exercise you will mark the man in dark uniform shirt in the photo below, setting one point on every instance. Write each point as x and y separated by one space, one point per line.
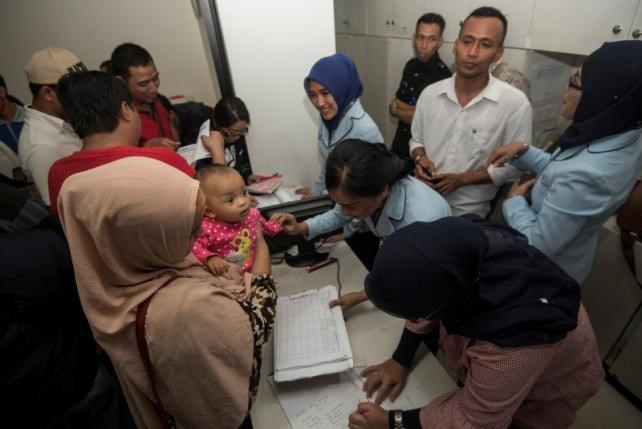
426 68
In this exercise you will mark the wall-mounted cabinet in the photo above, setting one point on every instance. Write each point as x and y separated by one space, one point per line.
385 59
569 26
580 26
379 62
453 11
635 31
387 18
350 16
355 47
393 18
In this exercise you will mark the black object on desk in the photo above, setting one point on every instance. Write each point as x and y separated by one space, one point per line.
301 210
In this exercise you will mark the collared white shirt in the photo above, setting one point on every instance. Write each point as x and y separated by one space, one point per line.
460 139
44 140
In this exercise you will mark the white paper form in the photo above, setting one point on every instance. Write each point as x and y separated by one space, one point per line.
193 152
327 401
310 337
281 195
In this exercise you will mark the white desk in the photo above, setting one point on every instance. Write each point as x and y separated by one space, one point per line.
373 335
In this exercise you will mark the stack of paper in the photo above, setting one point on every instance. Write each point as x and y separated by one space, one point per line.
280 196
310 338
265 186
326 402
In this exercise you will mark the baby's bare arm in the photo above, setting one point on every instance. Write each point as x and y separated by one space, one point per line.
261 263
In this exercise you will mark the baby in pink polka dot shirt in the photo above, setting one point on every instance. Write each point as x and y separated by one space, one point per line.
232 230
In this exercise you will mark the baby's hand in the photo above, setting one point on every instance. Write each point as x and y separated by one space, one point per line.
217 265
281 219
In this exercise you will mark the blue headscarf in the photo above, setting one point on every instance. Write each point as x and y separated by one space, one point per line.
481 280
338 74
611 101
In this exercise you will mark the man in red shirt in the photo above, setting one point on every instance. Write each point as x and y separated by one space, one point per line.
134 66
101 111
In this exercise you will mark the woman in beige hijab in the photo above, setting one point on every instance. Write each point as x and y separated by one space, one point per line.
131 225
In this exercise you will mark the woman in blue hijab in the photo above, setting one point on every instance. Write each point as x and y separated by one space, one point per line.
333 86
594 167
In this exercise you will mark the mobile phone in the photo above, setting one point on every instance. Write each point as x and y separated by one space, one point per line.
425 170
526 177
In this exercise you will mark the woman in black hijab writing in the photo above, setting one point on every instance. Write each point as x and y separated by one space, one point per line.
511 325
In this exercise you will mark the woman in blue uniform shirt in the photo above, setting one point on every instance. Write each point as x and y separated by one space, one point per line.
372 185
591 173
333 87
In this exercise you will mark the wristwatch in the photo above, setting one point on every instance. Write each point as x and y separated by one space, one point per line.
397 419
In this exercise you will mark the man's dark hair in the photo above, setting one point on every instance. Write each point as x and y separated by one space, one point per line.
36 87
432 18
107 66
229 110
10 97
129 55
488 12
92 101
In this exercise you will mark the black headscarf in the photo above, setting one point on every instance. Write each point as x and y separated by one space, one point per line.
482 280
611 101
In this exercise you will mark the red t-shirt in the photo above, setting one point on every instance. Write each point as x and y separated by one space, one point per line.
155 124
86 160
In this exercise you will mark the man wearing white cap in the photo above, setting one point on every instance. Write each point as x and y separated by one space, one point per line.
46 136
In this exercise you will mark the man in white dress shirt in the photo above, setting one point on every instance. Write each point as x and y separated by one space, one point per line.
46 137
459 121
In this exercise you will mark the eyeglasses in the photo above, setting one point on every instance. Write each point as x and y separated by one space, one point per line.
572 84
232 132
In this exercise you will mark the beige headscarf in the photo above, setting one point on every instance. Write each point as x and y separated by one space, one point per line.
128 224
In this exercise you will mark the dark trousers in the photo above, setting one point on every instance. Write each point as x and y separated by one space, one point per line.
103 407
365 245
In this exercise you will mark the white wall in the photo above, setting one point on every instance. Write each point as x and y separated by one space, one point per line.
91 29
271 47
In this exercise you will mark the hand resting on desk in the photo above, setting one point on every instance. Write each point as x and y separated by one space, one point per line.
388 377
349 300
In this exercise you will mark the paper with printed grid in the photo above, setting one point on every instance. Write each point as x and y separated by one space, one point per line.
310 337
